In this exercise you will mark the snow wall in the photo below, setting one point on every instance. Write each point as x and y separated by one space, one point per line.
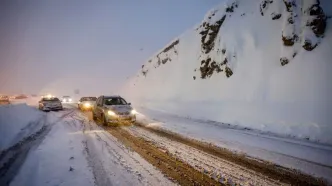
261 64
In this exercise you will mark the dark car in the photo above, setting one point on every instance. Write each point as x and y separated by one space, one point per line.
86 103
113 109
50 103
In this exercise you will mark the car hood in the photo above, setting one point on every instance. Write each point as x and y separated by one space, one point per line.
120 108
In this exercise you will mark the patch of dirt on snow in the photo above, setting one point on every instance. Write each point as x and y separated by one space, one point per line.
175 169
260 167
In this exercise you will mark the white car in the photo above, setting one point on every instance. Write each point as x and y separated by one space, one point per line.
50 103
113 109
66 99
86 103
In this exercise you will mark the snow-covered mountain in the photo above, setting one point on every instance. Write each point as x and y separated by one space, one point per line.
260 64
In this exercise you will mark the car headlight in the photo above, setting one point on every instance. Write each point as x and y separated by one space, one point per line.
133 112
111 113
70 100
87 104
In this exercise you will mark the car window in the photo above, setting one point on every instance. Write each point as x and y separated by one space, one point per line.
114 101
88 99
99 101
50 99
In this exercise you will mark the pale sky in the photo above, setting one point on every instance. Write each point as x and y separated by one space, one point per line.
59 45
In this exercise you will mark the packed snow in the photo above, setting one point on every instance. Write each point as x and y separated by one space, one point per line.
17 122
68 150
240 76
281 150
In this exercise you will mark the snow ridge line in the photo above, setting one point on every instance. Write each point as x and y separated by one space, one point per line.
250 131
274 171
12 158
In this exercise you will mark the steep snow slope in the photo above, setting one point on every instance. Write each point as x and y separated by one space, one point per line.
262 64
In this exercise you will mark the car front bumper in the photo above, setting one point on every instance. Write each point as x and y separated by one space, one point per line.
121 118
47 108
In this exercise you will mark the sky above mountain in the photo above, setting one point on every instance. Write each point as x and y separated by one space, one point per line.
59 46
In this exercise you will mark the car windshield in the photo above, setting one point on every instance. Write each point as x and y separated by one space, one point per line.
89 99
114 101
50 99
66 97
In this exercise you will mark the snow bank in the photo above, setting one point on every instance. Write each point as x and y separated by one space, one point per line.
17 122
258 64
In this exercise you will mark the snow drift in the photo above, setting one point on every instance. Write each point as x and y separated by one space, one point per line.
17 122
262 64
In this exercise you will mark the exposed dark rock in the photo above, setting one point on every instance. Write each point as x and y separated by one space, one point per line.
224 62
159 61
308 45
275 16
213 31
264 5
171 46
228 72
289 5
290 20
318 24
142 66
150 61
223 51
194 77
288 40
207 69
231 8
294 54
243 14
284 61
164 60
144 73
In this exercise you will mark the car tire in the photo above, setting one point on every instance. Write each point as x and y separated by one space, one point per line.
94 117
104 121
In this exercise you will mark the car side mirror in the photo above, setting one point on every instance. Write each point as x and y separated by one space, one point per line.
129 103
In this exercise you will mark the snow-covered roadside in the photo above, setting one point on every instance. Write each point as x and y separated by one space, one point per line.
58 160
77 152
18 122
309 157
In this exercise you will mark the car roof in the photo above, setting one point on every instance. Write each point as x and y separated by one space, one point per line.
112 96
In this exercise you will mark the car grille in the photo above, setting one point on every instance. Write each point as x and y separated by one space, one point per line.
123 113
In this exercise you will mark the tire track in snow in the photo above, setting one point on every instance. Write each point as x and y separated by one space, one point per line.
12 158
117 154
251 169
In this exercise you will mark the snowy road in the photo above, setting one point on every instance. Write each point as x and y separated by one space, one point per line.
71 149
309 157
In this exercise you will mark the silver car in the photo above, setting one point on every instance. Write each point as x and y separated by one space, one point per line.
86 103
4 100
50 103
113 109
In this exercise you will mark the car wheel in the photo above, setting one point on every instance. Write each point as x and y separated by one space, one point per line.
94 117
104 121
